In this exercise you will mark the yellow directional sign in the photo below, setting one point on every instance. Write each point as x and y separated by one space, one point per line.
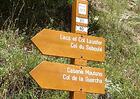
69 77
65 44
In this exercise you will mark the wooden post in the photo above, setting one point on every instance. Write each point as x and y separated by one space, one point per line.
80 17
78 95
79 25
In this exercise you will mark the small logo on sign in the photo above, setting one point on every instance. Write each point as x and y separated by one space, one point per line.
82 29
82 9
82 20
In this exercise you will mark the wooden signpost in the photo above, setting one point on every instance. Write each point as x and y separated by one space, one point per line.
69 77
80 16
70 45
76 78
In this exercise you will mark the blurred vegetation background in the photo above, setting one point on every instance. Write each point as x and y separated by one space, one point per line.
116 20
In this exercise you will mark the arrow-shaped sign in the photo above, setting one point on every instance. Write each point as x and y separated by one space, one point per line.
69 77
65 44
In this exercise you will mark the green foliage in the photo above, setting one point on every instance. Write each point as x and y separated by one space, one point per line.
118 23
17 59
27 15
70 1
